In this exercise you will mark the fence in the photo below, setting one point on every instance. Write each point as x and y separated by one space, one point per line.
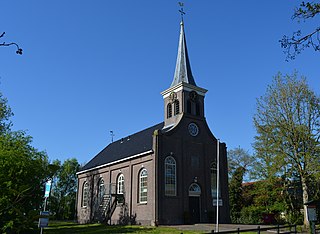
278 229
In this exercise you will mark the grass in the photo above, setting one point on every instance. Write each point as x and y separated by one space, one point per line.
74 228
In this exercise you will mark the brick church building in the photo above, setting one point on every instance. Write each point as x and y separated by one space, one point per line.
164 174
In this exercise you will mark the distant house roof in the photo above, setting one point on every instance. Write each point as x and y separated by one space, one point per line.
132 145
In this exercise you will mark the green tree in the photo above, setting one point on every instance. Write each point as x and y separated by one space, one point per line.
287 122
295 44
261 199
235 194
63 193
240 158
5 114
23 172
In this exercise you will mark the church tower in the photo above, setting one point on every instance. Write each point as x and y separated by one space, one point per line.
183 97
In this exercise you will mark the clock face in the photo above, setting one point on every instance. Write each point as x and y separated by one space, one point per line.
193 129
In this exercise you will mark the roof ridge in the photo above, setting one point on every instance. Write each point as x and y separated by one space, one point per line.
137 133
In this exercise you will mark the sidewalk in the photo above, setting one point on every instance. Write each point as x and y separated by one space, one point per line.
209 227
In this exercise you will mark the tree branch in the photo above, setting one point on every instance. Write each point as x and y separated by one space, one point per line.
18 51
296 44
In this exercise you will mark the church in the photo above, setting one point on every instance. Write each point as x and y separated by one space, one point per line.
164 174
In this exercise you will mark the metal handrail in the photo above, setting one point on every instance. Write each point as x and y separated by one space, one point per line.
258 230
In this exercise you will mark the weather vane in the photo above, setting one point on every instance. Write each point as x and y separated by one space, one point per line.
181 10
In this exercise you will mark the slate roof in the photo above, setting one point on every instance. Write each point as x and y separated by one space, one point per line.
183 69
134 144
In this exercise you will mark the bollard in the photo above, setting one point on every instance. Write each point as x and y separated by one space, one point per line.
238 229
258 230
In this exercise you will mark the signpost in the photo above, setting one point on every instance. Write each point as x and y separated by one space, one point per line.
44 215
44 219
312 215
48 187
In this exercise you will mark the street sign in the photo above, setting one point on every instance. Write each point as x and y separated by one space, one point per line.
214 202
44 219
48 187
312 213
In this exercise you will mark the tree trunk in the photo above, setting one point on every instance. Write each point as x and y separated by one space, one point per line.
305 198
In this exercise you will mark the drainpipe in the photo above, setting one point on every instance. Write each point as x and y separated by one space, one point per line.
77 202
218 182
156 166
92 198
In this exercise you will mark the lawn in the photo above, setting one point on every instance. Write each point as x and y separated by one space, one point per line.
73 228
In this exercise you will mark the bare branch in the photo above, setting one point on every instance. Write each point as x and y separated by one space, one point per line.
18 51
295 44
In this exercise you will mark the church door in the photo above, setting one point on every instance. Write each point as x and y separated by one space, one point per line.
194 203
194 209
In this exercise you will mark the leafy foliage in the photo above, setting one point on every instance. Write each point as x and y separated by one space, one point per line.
239 157
235 194
23 172
262 199
288 131
64 188
295 44
5 114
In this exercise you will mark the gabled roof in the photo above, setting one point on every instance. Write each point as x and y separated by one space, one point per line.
183 70
121 149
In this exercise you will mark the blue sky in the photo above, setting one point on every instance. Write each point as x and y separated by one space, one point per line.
89 67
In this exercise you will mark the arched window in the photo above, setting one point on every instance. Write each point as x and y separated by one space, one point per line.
101 190
189 106
143 186
85 194
176 107
213 172
170 176
169 110
194 190
120 184
197 108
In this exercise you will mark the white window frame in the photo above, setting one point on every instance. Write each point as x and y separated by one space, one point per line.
170 167
85 194
194 190
101 190
120 184
143 186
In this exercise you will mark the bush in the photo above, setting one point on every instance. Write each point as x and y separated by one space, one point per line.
295 218
251 215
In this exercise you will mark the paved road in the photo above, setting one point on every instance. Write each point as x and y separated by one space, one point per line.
207 228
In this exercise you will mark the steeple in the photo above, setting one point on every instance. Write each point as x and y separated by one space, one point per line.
183 98
183 70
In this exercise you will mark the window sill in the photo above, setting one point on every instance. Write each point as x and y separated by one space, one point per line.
142 203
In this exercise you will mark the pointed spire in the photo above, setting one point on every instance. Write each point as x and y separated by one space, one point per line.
183 70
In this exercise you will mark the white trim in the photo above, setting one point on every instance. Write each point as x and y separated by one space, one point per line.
165 176
168 126
183 86
114 162
140 185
